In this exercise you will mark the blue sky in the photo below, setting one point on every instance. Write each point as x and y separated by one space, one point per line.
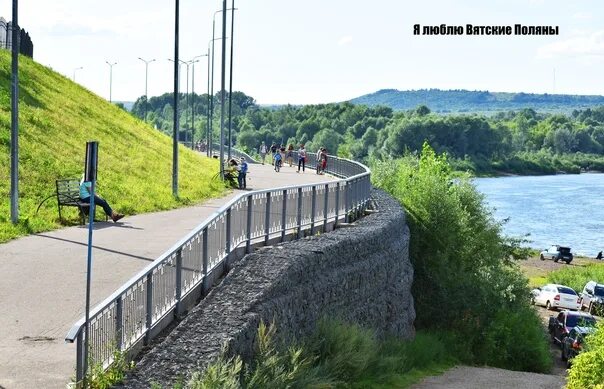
322 51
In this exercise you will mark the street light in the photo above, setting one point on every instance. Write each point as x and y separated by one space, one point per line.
222 86
175 127
14 118
146 78
231 77
224 9
193 93
211 94
110 77
74 72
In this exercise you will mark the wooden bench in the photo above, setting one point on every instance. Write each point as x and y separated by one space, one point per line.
68 195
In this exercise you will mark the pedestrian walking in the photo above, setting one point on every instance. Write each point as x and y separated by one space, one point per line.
301 158
263 150
323 160
273 151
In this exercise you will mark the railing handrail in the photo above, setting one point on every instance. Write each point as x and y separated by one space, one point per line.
360 192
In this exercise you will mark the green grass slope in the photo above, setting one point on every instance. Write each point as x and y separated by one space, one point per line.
56 118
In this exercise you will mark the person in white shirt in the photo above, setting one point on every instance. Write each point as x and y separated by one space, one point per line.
263 149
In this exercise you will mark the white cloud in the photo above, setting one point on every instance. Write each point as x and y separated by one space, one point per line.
579 46
583 15
345 40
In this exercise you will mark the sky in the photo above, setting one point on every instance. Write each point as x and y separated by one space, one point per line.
304 52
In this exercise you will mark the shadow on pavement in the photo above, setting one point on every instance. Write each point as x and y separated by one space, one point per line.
97 247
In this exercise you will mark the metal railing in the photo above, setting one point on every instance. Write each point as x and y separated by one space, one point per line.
175 281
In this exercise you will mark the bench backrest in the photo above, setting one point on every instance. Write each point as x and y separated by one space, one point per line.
68 191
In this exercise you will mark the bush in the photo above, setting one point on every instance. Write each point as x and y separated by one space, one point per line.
587 371
465 277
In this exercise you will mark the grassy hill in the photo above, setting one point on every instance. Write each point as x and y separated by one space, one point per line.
56 119
476 101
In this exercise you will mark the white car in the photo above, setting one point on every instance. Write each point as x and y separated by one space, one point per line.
554 296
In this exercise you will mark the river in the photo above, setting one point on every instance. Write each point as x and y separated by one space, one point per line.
565 209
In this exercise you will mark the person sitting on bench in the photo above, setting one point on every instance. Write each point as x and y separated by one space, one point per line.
85 188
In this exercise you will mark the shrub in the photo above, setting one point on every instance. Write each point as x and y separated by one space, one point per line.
587 371
465 277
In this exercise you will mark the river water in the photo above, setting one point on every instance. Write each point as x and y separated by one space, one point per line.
566 209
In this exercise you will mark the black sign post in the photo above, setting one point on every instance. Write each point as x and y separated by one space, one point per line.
90 170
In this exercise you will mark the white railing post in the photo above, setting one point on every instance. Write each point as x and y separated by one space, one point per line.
284 216
299 213
178 281
149 306
267 218
248 243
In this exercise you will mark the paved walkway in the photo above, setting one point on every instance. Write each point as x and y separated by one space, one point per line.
42 279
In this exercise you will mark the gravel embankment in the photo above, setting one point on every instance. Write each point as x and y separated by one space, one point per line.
463 377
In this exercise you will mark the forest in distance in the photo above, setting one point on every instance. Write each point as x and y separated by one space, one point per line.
522 141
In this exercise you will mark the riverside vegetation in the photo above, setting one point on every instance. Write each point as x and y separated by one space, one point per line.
520 142
56 118
471 300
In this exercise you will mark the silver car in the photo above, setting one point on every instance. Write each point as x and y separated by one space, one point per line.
554 296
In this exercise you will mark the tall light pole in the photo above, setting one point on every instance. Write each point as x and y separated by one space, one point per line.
231 77
14 116
211 93
175 129
193 93
110 77
146 78
75 70
223 10
222 86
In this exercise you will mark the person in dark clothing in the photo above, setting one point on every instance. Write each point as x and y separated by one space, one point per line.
599 256
241 178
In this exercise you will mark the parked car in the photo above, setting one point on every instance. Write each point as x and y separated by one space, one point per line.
592 297
557 253
573 343
554 296
560 325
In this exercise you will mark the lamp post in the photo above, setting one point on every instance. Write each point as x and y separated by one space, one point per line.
14 118
74 72
175 128
110 77
224 9
193 93
222 87
231 78
146 78
211 94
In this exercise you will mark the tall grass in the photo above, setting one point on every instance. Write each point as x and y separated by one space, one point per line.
337 355
56 118
576 277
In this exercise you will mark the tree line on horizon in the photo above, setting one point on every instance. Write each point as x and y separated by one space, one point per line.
524 141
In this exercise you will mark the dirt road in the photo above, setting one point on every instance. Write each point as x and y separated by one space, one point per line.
464 377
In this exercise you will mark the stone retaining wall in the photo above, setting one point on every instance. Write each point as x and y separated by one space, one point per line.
360 274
